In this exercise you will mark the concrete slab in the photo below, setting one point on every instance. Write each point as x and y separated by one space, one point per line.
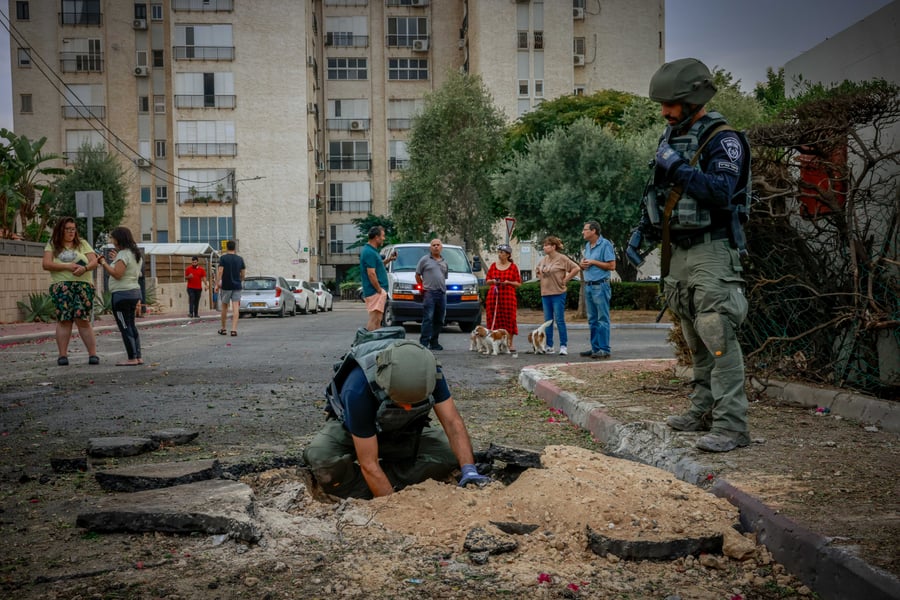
176 436
210 507
120 446
139 478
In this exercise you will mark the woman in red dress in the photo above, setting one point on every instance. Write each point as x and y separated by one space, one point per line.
503 277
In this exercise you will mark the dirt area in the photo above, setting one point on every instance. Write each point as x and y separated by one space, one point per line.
832 475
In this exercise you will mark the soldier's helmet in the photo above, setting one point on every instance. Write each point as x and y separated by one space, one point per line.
684 80
407 371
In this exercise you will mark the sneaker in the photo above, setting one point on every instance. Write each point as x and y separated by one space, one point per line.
601 355
586 353
723 441
435 347
549 350
688 422
563 351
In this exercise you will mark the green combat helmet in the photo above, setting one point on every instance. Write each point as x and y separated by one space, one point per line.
685 80
406 371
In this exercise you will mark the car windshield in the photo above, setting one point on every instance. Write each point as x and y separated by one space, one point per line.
408 257
259 284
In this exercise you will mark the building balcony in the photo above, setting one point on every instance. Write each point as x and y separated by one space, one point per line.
80 18
203 197
203 52
351 124
83 112
349 162
203 5
405 123
346 2
337 205
79 62
346 40
342 247
398 164
206 149
205 101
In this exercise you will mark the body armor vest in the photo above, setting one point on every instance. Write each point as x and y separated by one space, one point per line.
688 215
390 417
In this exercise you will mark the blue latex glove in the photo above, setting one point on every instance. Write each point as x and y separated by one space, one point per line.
470 475
667 158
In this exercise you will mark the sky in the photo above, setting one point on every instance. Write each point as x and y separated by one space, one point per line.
743 37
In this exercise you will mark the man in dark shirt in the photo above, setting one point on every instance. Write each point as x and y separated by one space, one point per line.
229 282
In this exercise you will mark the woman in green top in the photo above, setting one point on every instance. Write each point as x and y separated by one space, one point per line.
70 260
124 271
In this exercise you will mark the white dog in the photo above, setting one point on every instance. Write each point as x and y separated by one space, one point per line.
538 338
485 341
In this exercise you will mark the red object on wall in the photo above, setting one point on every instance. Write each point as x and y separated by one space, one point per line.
822 176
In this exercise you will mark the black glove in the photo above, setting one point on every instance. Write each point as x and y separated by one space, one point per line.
633 250
667 158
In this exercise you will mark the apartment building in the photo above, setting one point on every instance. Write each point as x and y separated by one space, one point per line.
278 122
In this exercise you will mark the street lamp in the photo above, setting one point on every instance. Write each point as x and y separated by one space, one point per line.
234 195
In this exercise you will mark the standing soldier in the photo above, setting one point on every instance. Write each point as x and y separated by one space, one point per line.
695 207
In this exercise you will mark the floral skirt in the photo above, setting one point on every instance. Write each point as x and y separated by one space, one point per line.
73 300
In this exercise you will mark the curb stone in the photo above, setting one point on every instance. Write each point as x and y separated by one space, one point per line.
832 573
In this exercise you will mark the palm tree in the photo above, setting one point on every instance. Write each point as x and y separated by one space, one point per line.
22 177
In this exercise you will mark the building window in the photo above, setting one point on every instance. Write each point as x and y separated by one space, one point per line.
579 90
158 58
348 69
140 58
22 11
162 236
538 40
342 237
25 103
143 104
156 12
80 12
204 183
204 42
159 104
403 31
522 40
350 196
348 155
145 195
579 45
160 149
211 230
523 87
398 155
162 193
538 88
407 69
24 57
205 138
140 11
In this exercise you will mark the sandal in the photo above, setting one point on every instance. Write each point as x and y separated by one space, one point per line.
93 360
223 332
233 333
127 363
62 361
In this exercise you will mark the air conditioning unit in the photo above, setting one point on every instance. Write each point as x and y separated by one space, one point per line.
578 13
356 125
310 61
322 165
142 162
418 3
139 24
311 108
142 71
579 60
420 46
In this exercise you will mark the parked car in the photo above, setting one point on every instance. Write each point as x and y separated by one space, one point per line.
267 295
326 299
463 306
304 295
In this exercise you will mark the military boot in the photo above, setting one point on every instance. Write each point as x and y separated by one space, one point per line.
723 441
689 422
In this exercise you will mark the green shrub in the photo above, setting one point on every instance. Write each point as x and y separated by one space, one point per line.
625 295
38 308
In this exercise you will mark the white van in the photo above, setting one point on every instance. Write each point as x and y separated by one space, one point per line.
463 306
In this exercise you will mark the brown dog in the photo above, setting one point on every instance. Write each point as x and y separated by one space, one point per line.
485 341
538 338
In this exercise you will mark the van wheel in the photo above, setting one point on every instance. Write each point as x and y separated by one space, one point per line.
388 320
468 326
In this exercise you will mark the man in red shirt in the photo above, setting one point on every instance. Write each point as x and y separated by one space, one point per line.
196 283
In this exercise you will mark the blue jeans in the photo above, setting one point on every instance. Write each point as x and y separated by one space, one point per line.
434 309
596 297
555 308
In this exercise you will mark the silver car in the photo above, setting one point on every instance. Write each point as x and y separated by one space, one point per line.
325 299
267 295
304 295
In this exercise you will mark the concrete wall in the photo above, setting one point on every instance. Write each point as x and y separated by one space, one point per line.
21 275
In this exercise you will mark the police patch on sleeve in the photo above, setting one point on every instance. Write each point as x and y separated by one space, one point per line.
732 148
727 166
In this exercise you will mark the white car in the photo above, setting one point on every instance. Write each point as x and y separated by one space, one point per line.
325 298
305 296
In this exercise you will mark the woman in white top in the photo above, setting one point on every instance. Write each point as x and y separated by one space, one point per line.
124 271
